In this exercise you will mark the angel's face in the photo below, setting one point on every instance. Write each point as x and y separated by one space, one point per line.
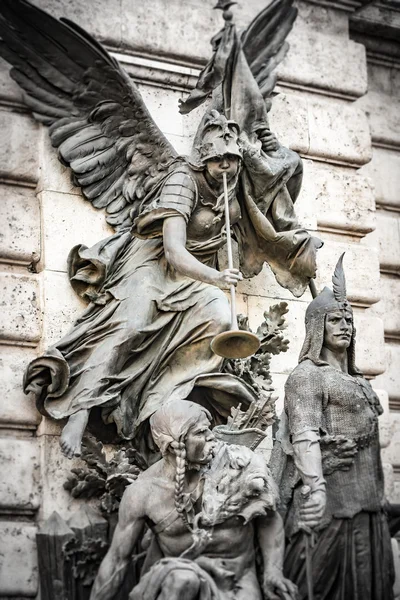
227 163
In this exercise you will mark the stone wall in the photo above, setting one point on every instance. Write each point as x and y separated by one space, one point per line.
321 112
382 106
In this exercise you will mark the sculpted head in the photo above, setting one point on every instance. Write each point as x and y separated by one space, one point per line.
338 330
238 483
329 323
183 425
218 147
217 165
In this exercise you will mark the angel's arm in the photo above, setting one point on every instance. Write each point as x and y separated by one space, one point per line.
174 238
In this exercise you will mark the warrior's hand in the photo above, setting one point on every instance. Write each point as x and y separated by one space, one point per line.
228 276
268 139
338 453
312 510
276 587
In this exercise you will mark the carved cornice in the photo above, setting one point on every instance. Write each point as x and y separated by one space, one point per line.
377 26
345 5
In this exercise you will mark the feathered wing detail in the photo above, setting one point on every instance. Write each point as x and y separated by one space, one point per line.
339 281
96 116
264 42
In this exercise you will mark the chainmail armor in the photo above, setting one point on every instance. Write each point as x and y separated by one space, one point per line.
327 401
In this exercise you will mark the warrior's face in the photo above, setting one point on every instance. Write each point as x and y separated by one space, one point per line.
218 165
200 443
338 330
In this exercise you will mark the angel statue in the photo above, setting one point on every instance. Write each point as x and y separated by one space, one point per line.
153 288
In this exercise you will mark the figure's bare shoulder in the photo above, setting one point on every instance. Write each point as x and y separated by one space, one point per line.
137 496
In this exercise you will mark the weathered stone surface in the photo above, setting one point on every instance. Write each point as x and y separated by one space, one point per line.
325 129
384 171
20 219
265 285
183 145
370 348
377 19
388 309
385 422
53 176
340 198
384 117
62 307
20 468
289 119
167 30
323 16
389 381
18 560
388 234
9 90
320 69
18 147
69 220
361 265
189 38
383 78
102 18
391 453
164 108
339 131
242 307
58 468
163 30
20 317
278 381
15 407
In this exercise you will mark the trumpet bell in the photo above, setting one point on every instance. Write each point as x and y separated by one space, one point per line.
235 344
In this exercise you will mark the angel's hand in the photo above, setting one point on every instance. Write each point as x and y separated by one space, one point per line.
268 139
228 276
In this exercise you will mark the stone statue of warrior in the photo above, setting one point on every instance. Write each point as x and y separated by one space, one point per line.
332 414
153 288
204 537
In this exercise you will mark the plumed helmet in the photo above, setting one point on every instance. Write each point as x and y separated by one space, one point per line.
327 301
218 137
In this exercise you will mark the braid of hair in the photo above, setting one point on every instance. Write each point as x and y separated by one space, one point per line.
180 457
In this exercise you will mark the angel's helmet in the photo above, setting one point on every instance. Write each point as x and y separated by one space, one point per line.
327 301
218 137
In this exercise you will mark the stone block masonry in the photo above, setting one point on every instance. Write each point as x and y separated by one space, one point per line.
322 111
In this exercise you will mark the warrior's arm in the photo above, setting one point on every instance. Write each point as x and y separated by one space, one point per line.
303 401
308 460
271 539
129 528
174 238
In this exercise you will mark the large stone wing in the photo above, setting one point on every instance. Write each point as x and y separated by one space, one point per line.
264 42
95 113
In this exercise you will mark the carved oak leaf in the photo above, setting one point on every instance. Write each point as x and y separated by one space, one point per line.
93 454
104 479
84 483
271 330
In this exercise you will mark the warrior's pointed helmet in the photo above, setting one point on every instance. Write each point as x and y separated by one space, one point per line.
218 137
327 301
